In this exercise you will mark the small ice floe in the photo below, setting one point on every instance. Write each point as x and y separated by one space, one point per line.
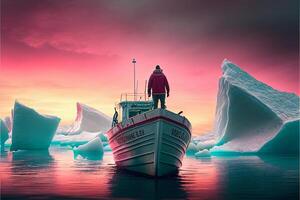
107 148
202 154
201 145
192 149
92 150
74 140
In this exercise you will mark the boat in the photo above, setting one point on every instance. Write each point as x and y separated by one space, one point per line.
147 141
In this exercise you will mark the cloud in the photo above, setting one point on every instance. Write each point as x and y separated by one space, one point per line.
93 26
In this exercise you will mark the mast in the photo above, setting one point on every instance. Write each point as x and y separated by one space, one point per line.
134 89
137 87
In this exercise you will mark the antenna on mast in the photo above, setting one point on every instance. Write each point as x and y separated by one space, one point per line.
134 89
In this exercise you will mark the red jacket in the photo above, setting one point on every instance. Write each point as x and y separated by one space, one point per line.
158 83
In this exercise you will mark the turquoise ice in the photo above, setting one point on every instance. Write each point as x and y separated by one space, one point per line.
252 117
91 150
31 130
3 134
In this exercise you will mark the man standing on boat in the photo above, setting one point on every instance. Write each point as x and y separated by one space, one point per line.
159 85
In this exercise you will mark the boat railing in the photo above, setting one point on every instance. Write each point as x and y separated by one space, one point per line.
134 97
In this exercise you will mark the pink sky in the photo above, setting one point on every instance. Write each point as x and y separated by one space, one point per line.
57 53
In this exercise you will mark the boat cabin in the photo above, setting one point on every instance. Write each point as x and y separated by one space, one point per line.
131 108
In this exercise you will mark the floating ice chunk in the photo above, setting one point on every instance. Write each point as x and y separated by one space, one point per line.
192 149
103 137
91 150
251 115
204 137
201 145
107 148
88 119
203 153
31 130
204 141
74 140
3 134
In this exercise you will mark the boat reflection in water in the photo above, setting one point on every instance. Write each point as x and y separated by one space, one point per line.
129 185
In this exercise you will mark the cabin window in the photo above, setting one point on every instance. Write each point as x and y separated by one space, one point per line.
133 113
136 112
130 109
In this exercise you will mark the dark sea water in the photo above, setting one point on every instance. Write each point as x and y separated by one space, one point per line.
57 175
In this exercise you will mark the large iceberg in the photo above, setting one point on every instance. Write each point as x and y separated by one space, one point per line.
31 130
87 120
252 117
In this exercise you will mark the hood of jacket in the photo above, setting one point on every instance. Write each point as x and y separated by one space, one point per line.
158 71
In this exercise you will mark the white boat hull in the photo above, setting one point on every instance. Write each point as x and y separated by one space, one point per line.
153 143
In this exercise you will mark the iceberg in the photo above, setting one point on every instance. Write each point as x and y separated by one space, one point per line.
192 149
202 145
87 120
203 153
107 148
31 130
204 137
252 117
204 141
3 134
91 150
8 123
74 140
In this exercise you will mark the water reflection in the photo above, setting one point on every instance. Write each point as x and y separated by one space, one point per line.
283 162
250 177
200 178
132 186
32 157
25 173
57 175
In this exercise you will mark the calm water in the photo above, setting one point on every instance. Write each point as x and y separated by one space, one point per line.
57 175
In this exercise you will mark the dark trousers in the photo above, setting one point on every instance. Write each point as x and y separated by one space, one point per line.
162 98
